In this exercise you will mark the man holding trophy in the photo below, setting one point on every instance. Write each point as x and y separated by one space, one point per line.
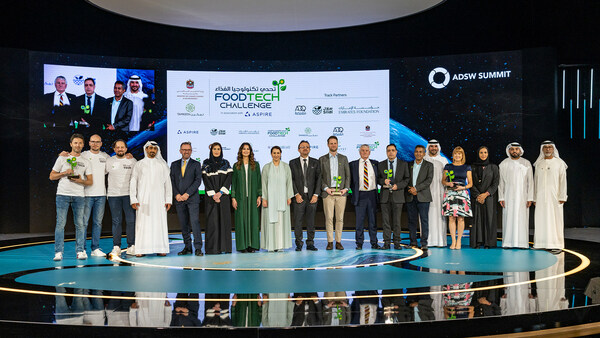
73 174
393 176
335 182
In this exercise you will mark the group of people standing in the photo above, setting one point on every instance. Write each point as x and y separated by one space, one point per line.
438 195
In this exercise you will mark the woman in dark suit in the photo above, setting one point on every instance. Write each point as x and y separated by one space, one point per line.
483 195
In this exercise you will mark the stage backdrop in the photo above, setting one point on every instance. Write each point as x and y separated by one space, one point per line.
273 108
466 100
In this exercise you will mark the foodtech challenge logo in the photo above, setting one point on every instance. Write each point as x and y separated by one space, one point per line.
440 77
249 97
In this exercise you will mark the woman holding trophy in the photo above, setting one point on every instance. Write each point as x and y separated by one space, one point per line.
457 203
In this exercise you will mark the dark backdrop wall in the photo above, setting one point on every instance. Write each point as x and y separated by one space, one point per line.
567 28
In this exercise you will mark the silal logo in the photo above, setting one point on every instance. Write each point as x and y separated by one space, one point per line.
440 77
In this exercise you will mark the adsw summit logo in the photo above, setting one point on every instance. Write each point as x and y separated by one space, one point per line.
440 77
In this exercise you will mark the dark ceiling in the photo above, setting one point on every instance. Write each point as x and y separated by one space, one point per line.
456 26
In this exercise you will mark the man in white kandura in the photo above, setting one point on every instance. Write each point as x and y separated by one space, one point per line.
549 198
515 194
134 93
437 222
150 194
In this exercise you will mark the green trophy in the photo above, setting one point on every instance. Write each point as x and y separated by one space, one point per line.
338 181
73 163
389 174
450 175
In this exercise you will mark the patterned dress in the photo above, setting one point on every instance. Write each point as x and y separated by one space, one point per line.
457 203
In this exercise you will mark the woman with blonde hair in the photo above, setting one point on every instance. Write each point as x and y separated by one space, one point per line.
457 203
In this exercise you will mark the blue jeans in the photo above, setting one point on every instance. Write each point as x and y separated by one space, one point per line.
120 205
62 209
94 204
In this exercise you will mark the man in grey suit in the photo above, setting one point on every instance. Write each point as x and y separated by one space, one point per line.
334 201
418 196
306 182
186 176
121 109
391 196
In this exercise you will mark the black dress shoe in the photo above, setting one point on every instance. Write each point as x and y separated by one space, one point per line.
185 251
386 246
397 246
329 246
199 252
424 248
358 246
338 246
298 248
311 248
376 247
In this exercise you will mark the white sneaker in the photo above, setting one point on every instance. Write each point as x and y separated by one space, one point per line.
81 255
98 253
116 251
58 256
131 250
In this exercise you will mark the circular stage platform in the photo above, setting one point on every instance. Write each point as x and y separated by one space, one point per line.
356 289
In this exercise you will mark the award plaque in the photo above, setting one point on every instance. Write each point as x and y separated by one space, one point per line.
389 174
338 181
73 163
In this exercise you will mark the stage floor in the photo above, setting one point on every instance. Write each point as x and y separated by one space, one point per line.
302 288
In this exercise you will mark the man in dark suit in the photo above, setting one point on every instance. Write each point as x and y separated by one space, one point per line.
121 109
61 113
334 195
363 173
186 176
91 108
306 179
391 196
418 196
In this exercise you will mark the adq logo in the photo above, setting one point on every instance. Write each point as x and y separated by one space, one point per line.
439 85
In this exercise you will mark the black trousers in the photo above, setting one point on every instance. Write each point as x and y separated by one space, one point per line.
304 211
392 215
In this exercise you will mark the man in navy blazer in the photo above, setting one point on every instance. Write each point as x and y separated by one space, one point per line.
121 109
363 182
186 176
418 196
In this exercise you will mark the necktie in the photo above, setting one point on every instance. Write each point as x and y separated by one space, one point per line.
89 103
183 167
304 167
392 168
366 176
367 312
61 103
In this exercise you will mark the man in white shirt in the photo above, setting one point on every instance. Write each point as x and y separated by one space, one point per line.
95 194
73 174
119 169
